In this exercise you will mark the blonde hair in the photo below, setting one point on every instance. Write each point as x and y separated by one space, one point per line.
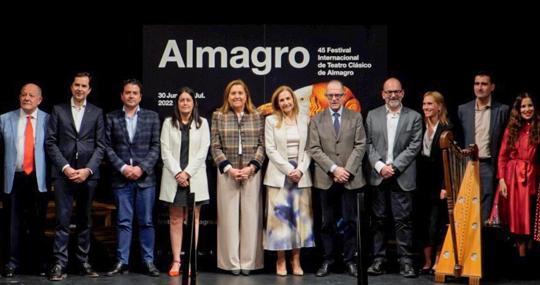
276 110
225 108
439 99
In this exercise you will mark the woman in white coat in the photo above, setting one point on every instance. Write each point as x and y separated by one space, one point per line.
185 139
289 223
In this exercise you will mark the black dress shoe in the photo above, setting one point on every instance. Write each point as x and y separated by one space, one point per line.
351 269
119 268
151 270
86 269
9 271
57 273
407 270
324 269
377 267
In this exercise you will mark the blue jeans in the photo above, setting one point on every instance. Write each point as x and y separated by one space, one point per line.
128 198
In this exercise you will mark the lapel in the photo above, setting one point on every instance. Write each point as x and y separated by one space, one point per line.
327 120
140 119
281 136
345 120
401 122
380 119
302 130
69 114
472 108
123 126
39 129
14 121
84 121
193 142
436 137
494 111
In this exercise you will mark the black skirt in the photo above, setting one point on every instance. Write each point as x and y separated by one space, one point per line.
182 199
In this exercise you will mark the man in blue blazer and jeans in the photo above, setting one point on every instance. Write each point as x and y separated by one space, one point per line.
132 136
25 171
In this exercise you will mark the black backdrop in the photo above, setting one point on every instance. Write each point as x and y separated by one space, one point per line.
434 56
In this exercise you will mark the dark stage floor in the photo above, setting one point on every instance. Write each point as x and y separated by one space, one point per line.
205 278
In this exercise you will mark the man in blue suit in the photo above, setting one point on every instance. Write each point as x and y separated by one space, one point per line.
24 176
75 144
483 121
132 136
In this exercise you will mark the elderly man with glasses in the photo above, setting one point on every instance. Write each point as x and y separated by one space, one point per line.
337 143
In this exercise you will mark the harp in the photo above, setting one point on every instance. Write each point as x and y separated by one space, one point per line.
461 254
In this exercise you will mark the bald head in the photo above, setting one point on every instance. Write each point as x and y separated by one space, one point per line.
30 97
392 93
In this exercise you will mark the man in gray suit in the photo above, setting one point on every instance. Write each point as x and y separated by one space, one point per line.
483 121
337 142
394 140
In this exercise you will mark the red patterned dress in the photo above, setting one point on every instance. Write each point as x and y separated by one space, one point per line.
517 167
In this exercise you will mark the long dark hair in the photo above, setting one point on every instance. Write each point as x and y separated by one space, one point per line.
516 122
194 114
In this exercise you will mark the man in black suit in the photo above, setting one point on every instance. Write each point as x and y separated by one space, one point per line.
75 144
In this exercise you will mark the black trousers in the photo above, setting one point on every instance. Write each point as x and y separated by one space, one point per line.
390 199
27 214
65 192
338 205
487 186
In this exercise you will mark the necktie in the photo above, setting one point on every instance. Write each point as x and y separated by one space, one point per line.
336 122
28 160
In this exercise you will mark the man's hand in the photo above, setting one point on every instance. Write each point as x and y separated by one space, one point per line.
132 172
70 173
80 175
387 171
137 172
341 175
128 172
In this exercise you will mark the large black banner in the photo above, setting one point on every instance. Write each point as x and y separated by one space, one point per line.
207 57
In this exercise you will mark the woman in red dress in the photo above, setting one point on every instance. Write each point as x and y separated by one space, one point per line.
518 170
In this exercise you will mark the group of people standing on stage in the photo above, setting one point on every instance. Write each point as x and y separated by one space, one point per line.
325 152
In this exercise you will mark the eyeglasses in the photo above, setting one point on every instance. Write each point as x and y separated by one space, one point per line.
338 95
390 92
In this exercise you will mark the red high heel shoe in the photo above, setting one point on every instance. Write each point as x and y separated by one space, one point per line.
175 273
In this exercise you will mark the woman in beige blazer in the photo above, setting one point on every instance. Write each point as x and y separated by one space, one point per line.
289 223
238 150
185 139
